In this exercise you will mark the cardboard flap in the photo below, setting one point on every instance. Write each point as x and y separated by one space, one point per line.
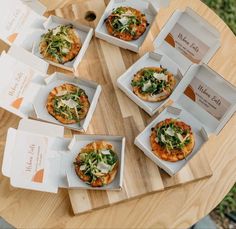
159 3
207 96
36 6
187 38
35 166
43 128
7 155
16 17
19 85
28 58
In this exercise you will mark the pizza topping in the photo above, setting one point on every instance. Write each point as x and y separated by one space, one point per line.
160 76
58 42
62 92
105 152
104 168
152 82
124 20
146 85
82 167
96 163
171 132
172 136
68 104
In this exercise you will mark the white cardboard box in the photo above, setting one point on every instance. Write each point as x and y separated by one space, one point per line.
22 25
187 38
144 6
92 90
24 89
196 32
37 157
85 33
150 59
206 105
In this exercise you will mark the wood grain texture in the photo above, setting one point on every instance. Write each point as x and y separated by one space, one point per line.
175 208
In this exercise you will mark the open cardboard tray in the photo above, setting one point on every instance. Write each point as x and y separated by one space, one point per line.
85 33
143 6
204 37
37 157
205 101
24 92
23 26
150 59
92 90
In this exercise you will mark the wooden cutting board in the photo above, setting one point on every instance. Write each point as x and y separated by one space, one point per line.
116 114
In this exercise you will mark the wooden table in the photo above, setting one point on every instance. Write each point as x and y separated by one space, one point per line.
176 208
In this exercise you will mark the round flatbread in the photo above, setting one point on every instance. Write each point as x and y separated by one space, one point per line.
97 164
126 23
172 140
68 103
61 44
153 84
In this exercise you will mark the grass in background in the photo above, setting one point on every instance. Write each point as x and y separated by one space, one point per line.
226 9
228 204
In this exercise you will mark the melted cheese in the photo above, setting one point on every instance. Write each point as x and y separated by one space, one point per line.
65 50
160 76
124 20
104 168
105 152
163 138
180 137
146 85
70 103
60 93
56 30
170 131
82 167
158 95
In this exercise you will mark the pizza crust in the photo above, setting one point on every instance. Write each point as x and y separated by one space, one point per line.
108 177
149 97
140 29
174 155
75 48
83 99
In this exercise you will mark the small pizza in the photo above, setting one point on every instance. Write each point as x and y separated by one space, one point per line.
126 23
97 164
61 44
68 103
153 84
172 140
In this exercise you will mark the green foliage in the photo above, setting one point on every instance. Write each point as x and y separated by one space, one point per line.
226 9
228 204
